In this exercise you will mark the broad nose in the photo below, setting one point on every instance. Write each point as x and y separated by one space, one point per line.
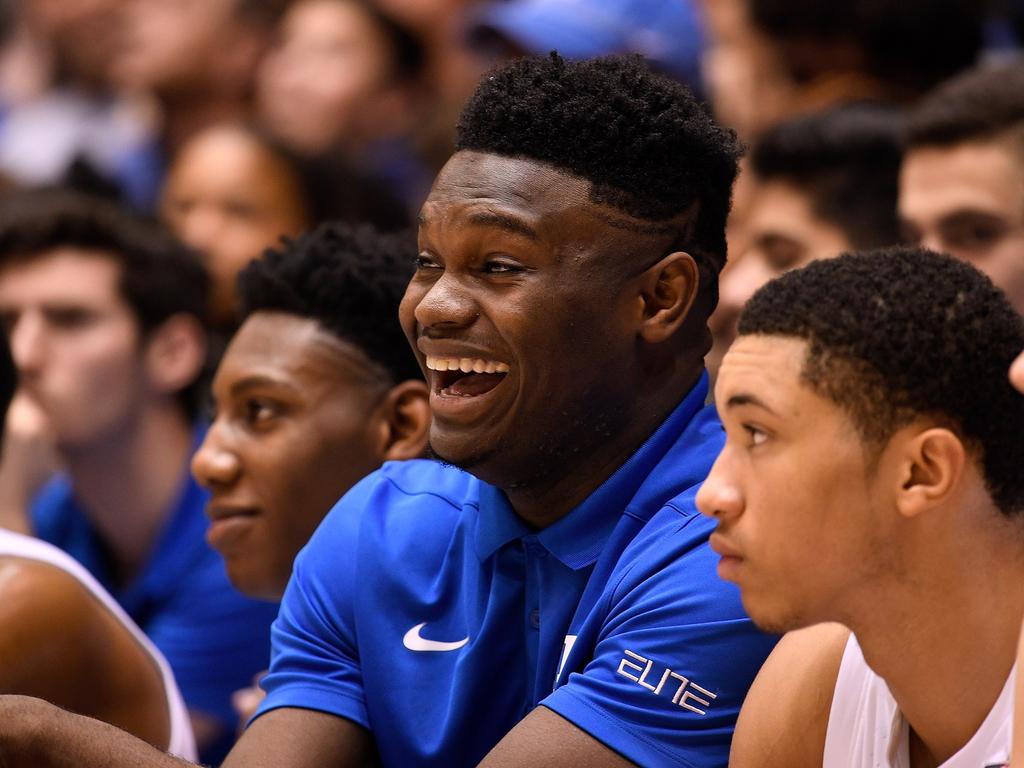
447 304
720 496
216 465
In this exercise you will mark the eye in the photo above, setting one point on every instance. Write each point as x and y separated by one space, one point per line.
260 413
973 233
500 267
423 261
757 437
70 318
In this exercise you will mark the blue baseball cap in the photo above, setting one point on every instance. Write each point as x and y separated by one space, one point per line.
666 32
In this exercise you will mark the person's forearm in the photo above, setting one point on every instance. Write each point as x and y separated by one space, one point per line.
34 734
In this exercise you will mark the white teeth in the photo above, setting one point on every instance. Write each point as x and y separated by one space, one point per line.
465 364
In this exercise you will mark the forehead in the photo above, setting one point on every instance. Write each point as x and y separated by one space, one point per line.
223 156
983 176
764 371
474 180
292 350
482 193
63 275
778 206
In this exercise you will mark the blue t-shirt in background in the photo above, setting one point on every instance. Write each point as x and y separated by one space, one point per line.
426 611
214 638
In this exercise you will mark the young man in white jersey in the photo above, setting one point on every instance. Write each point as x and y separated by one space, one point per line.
871 478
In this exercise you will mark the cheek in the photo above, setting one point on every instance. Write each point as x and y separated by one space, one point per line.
100 364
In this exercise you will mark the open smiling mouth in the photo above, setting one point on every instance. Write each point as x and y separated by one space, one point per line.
465 376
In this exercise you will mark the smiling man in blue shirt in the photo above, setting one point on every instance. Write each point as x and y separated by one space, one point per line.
546 595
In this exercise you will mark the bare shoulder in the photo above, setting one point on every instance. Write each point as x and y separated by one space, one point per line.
785 715
44 611
62 644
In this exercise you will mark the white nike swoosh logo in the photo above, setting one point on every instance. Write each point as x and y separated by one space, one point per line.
414 642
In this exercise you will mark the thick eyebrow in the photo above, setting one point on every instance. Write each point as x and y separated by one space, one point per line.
503 221
493 219
744 399
256 381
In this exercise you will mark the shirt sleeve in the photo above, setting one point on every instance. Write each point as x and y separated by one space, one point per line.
314 654
673 660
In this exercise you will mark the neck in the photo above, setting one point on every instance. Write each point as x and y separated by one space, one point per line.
923 638
127 483
581 472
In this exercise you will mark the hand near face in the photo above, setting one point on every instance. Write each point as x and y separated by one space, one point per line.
1017 372
28 459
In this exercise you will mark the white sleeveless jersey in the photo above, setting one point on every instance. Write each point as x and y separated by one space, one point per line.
867 730
181 741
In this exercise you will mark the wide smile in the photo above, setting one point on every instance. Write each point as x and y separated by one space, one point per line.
464 378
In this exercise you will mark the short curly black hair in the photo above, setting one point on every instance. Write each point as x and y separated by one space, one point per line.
898 333
647 146
981 104
847 161
349 279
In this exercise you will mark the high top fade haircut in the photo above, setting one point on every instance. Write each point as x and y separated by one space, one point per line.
645 144
349 279
982 104
846 161
901 333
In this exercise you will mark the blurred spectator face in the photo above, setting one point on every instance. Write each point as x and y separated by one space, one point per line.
229 197
747 86
86 34
174 46
784 233
295 429
968 200
76 343
330 80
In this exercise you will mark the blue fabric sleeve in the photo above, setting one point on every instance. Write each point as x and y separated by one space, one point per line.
673 661
314 658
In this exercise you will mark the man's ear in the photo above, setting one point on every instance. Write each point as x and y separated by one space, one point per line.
175 353
403 421
667 292
931 465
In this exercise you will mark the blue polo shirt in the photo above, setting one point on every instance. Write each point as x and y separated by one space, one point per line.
214 638
426 611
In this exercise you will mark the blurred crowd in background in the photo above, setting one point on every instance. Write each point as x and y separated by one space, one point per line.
238 121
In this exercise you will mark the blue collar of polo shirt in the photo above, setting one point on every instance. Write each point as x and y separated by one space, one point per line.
578 538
